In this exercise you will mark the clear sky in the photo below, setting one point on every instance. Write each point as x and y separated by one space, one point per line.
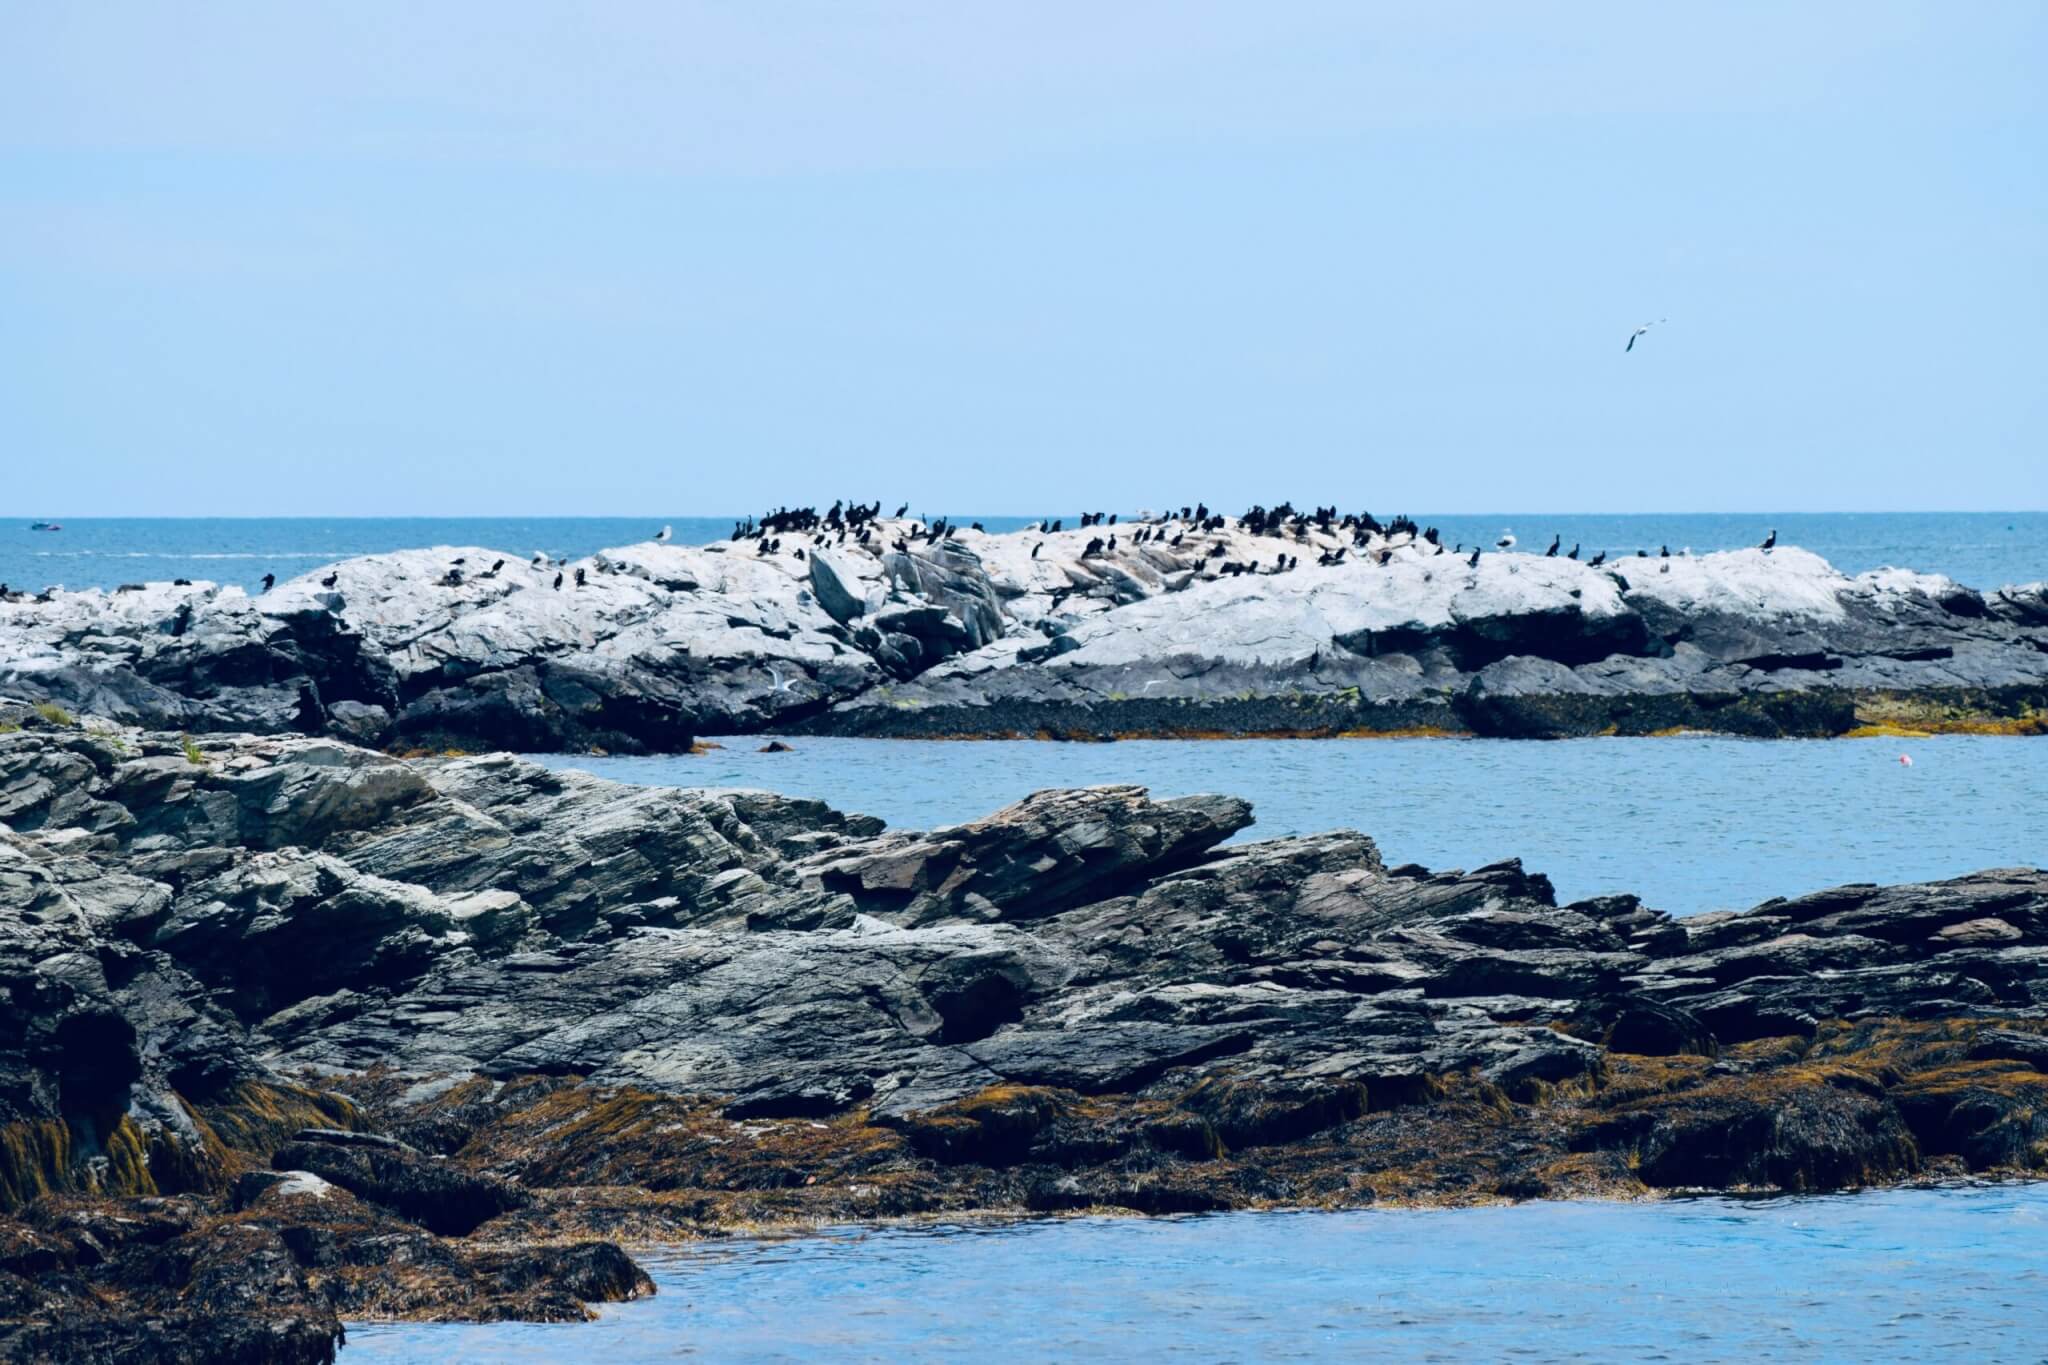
507 257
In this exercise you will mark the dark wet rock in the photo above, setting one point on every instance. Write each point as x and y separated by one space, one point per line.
2009 1045
442 1198
1839 1133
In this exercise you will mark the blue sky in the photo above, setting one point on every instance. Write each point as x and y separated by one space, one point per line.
530 258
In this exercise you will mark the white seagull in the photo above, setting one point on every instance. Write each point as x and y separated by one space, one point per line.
540 559
666 532
1506 542
1638 332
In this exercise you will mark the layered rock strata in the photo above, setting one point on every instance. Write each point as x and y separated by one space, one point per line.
292 1031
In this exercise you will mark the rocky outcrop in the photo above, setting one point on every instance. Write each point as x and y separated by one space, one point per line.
407 1027
1063 633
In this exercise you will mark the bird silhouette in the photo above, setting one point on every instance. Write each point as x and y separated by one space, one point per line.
1638 332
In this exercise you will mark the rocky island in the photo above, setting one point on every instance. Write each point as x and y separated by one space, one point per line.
294 1032
1273 623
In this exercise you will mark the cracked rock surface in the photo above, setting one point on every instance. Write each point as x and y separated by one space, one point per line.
428 1037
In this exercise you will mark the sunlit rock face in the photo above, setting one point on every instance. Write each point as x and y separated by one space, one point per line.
1090 632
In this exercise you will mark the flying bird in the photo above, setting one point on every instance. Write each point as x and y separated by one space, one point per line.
1638 332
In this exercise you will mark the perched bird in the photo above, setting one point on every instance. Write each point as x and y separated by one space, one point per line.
1473 562
269 581
661 536
461 560
1597 560
1036 548
579 578
1770 540
901 510
1638 332
1575 551
558 582
1555 541
330 580
540 559
1506 542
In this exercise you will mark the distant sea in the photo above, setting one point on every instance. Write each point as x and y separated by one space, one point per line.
1982 549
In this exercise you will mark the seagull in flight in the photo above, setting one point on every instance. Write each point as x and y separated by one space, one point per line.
1638 332
782 684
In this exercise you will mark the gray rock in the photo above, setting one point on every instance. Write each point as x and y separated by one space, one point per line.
295 905
973 634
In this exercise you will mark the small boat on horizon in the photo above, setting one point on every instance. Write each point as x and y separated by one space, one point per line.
45 526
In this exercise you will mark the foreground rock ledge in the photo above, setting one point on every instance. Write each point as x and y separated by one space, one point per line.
293 1032
1076 634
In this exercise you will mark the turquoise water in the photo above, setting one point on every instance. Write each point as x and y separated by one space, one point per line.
1984 549
1897 1276
1688 823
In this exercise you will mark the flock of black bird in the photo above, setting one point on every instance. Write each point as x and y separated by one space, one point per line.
860 522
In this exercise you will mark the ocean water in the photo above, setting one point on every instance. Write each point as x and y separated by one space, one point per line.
1910 1275
1983 549
1689 823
